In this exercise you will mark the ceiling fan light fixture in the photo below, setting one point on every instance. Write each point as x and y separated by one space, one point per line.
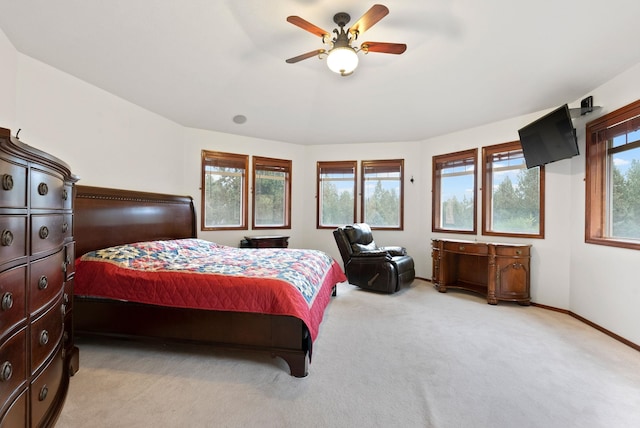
342 60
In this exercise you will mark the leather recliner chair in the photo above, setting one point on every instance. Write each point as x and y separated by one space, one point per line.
383 269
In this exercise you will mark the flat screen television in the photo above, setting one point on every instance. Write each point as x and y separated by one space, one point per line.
549 139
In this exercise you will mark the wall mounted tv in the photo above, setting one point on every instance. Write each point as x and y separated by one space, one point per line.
549 139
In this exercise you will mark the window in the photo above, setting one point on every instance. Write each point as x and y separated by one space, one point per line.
382 193
271 193
224 191
513 196
613 178
454 192
336 190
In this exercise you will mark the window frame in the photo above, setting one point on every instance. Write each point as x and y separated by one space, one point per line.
439 163
260 163
382 165
351 166
597 176
488 152
228 159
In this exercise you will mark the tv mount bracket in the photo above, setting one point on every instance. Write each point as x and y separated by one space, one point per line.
586 107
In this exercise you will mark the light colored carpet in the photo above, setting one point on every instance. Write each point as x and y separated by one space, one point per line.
418 358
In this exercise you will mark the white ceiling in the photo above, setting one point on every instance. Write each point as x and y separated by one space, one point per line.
200 63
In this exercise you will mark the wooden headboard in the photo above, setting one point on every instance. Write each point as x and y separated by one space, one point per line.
106 217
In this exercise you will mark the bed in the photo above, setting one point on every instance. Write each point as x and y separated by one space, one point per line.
111 222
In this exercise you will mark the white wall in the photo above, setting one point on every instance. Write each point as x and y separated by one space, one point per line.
105 140
605 288
8 69
110 142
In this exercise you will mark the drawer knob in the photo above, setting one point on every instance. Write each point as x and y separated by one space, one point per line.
518 252
7 238
7 371
44 232
44 337
43 282
7 181
44 391
462 247
43 189
7 301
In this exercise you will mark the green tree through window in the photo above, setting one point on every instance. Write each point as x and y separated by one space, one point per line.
454 192
271 193
625 204
382 193
336 190
513 197
516 209
612 197
224 191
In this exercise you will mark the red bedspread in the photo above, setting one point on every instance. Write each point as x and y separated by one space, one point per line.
192 273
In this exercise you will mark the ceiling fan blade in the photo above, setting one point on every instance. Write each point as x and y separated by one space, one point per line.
306 25
390 48
369 19
305 56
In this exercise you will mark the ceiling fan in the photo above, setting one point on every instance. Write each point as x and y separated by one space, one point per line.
341 56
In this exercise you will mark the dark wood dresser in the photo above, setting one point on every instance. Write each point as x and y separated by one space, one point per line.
37 354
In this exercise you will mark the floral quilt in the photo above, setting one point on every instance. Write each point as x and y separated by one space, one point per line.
194 273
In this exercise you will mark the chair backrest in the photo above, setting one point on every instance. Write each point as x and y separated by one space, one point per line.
354 238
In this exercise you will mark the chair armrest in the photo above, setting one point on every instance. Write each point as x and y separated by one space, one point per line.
395 251
372 254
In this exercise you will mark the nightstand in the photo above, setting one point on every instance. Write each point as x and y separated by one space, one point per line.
266 241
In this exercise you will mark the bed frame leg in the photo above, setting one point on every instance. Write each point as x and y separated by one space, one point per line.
298 363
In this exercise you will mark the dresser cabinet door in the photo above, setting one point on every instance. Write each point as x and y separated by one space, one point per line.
512 273
512 281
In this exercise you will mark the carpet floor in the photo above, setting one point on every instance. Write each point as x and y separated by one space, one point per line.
417 358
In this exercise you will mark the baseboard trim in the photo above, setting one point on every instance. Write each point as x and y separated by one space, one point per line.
591 324
582 319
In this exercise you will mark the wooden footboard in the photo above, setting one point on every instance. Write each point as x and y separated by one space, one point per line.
107 217
281 336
